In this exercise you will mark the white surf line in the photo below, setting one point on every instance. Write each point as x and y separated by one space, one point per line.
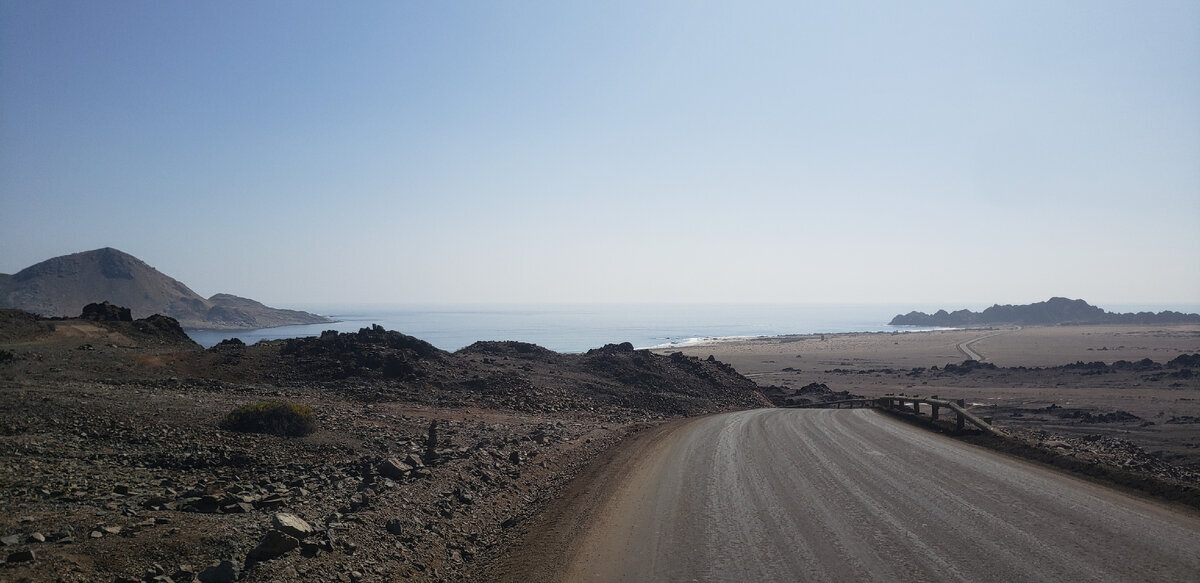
965 347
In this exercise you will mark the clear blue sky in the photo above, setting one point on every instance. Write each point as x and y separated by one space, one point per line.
344 152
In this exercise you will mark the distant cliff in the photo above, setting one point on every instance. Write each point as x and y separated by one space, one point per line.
62 286
1048 313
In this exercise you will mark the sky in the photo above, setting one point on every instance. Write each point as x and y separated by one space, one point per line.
576 152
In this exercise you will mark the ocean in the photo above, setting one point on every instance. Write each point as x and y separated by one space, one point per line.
578 328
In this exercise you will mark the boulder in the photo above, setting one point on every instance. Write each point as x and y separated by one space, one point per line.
395 526
224 572
394 468
21 556
414 460
274 544
292 525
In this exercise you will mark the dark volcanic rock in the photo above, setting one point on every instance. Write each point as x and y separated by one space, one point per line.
106 312
163 327
273 544
369 353
508 348
1185 361
223 572
394 468
21 556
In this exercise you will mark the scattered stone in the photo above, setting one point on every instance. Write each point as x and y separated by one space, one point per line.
208 504
431 443
414 460
395 526
21 556
271 501
185 574
394 468
464 496
225 572
274 544
292 525
37 537
10 540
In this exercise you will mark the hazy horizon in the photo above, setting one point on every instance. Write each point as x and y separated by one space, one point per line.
942 155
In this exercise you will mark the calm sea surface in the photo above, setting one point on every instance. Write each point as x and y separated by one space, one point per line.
577 328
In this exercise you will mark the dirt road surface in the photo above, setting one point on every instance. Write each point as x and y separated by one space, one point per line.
853 495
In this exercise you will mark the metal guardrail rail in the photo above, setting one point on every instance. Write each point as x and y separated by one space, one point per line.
912 404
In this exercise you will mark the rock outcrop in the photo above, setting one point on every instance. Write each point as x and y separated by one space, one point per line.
1055 311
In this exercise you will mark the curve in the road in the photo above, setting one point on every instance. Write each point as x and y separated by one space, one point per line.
853 495
967 347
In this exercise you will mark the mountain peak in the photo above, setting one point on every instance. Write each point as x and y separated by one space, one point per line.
61 286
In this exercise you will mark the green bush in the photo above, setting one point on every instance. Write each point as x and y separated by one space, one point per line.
273 417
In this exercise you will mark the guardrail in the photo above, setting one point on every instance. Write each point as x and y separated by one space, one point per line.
912 404
849 404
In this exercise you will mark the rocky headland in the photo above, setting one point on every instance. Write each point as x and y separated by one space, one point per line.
1055 311
63 285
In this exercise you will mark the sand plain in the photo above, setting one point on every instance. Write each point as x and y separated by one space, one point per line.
1029 390
1031 346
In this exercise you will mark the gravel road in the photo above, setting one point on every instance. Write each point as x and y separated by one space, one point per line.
853 495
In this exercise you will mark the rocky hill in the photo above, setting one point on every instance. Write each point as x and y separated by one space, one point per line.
381 364
425 465
1055 311
63 285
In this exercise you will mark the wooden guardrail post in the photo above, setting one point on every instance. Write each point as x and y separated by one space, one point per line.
961 418
933 413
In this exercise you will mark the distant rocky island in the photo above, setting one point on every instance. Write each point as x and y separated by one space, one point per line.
62 286
1055 311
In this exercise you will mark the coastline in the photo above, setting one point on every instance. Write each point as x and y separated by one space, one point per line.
702 341
1028 346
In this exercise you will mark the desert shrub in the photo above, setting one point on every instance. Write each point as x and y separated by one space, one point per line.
273 417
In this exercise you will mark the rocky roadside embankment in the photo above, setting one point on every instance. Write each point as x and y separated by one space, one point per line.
425 466
134 482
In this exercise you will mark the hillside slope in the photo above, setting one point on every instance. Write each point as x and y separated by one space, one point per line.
63 285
